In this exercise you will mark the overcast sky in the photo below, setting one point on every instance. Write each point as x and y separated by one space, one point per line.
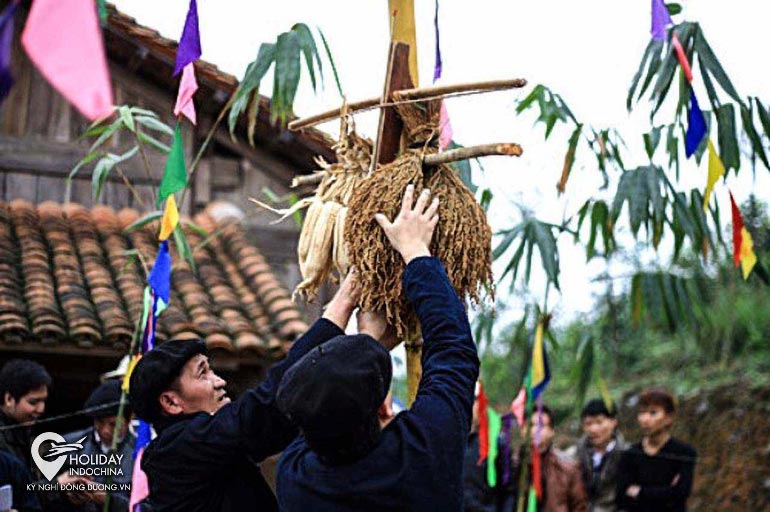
587 51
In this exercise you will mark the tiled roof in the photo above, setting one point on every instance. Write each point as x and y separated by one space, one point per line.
73 276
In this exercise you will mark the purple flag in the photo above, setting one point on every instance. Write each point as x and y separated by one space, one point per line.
437 69
6 42
696 128
660 20
189 49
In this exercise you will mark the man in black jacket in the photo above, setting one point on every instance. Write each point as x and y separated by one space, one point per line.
207 450
345 460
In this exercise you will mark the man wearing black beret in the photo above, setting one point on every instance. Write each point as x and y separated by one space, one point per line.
206 453
347 460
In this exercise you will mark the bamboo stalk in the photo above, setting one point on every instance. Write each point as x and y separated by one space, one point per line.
409 96
454 155
433 159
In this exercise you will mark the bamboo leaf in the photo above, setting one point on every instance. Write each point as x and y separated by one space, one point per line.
86 160
569 158
331 61
711 65
183 246
308 47
747 116
154 123
651 141
100 175
144 220
287 72
127 118
106 134
158 145
728 142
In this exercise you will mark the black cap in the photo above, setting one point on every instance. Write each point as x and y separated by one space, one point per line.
336 386
105 400
155 372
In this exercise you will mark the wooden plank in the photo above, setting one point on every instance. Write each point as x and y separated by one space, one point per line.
58 158
202 185
82 193
260 157
39 107
20 186
15 111
225 173
146 194
391 126
50 189
61 113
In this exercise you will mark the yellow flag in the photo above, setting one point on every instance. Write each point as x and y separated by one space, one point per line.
716 171
748 258
170 219
404 31
130 370
538 358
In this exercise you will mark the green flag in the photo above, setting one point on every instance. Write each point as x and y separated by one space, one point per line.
532 501
494 432
175 174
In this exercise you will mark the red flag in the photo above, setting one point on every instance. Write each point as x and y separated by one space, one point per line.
743 244
737 229
682 58
483 425
537 477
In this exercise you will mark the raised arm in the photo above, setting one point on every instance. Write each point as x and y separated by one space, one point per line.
450 363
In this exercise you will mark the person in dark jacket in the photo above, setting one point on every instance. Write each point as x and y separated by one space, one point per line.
24 390
344 461
656 475
103 406
13 473
206 453
599 452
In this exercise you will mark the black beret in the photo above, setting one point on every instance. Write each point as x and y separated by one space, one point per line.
336 386
155 372
105 400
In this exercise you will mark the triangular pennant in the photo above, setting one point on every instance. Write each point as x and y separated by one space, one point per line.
660 20
187 88
175 174
64 41
518 405
445 128
748 257
737 230
495 424
437 67
532 500
189 49
716 170
696 127
170 218
160 275
129 371
483 424
6 43
541 373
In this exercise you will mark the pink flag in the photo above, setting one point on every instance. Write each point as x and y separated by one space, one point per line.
140 488
445 128
518 405
682 58
64 41
187 88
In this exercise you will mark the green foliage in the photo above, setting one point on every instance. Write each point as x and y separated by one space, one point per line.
135 122
285 56
530 233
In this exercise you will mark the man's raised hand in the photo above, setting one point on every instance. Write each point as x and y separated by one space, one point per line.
411 231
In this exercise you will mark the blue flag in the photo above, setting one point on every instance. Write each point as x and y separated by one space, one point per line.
696 127
160 275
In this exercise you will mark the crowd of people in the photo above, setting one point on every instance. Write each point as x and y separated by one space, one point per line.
327 409
601 473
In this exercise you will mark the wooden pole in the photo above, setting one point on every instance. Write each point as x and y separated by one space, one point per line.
407 96
433 159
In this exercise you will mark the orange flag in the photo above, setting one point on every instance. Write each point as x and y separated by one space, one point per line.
743 244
